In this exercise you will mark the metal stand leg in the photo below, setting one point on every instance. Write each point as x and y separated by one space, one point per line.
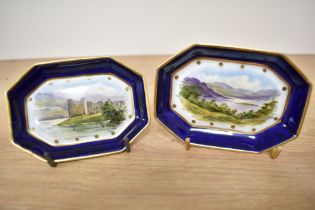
127 144
50 161
275 152
187 143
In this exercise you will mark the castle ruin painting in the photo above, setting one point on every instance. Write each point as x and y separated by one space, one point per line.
82 106
81 109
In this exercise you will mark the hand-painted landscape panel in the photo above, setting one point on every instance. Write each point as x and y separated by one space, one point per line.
80 109
242 97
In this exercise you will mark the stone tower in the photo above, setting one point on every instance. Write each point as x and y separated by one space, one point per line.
83 104
70 107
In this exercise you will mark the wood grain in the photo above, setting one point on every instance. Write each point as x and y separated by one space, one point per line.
159 173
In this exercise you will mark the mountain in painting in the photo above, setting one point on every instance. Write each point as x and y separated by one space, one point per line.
204 90
49 99
229 91
45 96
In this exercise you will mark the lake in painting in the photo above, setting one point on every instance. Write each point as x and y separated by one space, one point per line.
80 109
228 95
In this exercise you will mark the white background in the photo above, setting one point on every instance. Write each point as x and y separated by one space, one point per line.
42 28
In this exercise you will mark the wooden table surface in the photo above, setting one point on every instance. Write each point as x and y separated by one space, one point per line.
159 173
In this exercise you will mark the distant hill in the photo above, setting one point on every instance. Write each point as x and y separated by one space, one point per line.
221 90
227 90
50 106
204 90
49 99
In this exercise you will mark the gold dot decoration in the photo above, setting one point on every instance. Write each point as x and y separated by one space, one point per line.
56 141
30 99
126 88
50 83
276 118
264 70
193 121
211 124
130 116
174 105
176 76
232 126
221 64
254 129
242 67
77 139
33 129
113 132
96 136
198 62
284 88
109 78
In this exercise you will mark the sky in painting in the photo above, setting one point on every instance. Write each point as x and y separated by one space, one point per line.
95 88
249 79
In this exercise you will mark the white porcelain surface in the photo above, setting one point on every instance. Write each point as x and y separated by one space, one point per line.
241 86
71 110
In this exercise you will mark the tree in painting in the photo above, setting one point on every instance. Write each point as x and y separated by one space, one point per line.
112 112
206 103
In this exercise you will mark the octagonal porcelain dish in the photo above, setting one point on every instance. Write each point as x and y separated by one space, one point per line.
77 108
231 98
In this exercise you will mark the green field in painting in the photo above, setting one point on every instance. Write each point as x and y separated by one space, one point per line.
83 119
205 115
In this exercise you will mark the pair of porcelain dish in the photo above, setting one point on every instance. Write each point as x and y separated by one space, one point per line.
210 96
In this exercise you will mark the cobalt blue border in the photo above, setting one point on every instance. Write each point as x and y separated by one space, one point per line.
286 129
40 73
